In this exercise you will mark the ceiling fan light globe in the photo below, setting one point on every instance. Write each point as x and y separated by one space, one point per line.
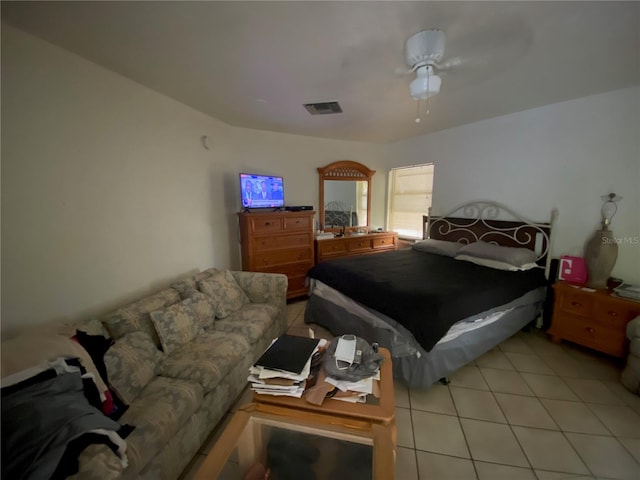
424 86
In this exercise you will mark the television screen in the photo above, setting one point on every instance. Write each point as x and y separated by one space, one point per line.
261 191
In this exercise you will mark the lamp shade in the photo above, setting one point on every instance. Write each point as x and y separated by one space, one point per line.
426 83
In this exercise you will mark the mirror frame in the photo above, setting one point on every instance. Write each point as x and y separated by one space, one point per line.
346 170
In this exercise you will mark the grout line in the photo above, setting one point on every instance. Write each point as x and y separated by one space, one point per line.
507 418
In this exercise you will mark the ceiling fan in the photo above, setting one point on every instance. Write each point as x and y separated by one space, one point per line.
424 52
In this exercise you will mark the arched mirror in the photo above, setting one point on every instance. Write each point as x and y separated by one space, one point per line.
345 196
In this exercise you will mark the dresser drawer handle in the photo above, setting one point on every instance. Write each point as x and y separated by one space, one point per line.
576 304
612 313
267 224
590 330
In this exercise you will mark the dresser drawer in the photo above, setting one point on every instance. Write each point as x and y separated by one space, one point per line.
277 242
293 224
331 246
383 242
268 259
356 244
590 333
267 225
290 269
298 285
576 303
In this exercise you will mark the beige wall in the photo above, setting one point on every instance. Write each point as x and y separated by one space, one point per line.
563 156
108 192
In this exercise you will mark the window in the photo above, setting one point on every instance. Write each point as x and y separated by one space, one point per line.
410 191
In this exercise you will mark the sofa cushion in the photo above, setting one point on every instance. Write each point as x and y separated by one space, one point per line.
204 307
161 409
252 321
176 325
135 317
131 363
225 292
207 359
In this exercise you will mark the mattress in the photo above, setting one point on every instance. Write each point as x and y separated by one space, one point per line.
424 292
466 340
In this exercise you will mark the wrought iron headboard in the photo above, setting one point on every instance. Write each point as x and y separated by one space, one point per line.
495 223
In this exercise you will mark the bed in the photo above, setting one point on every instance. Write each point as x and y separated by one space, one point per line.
446 300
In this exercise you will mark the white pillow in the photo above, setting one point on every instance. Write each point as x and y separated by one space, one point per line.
486 262
515 256
439 247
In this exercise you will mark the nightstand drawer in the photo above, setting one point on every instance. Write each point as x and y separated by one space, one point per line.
613 313
590 334
576 303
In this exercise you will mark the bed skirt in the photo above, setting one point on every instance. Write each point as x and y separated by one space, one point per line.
411 363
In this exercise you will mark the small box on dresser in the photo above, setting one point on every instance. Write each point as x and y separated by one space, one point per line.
278 242
595 319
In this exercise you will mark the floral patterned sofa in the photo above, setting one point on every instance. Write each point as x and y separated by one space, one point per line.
179 361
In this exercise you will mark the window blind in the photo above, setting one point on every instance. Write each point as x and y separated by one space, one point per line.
410 192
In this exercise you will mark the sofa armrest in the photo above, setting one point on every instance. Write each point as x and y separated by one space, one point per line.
263 287
633 329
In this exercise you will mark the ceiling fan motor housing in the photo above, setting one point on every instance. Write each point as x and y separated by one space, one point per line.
425 48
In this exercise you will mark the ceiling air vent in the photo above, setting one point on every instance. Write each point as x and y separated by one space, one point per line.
323 108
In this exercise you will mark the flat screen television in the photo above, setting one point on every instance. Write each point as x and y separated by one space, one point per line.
261 191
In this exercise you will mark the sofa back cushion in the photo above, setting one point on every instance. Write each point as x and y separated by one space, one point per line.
136 316
131 363
204 307
186 285
176 325
227 295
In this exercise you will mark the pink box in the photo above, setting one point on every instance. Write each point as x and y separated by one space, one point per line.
573 270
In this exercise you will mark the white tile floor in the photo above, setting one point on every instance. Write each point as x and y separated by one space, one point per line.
528 409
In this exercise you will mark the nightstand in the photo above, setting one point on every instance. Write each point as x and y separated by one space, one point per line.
594 319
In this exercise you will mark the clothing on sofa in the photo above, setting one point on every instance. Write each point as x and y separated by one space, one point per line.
40 418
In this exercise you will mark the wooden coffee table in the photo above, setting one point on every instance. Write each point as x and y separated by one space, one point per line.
260 432
378 411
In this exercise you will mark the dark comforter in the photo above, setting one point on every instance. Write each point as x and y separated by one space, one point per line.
424 292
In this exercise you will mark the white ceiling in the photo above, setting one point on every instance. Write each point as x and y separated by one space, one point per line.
254 64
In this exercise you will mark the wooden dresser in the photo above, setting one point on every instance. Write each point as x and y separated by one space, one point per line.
350 245
594 319
278 242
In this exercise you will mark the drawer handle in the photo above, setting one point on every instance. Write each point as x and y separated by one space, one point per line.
267 223
612 313
576 304
590 330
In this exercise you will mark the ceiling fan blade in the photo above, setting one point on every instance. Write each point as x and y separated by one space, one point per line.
403 71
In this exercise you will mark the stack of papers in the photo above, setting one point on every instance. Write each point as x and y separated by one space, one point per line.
627 290
284 367
355 392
